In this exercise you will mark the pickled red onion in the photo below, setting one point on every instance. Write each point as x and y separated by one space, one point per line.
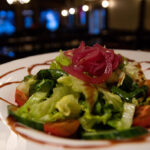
92 64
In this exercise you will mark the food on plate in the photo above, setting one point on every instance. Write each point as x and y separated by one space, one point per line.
89 92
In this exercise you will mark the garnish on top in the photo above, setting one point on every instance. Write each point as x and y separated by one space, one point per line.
92 64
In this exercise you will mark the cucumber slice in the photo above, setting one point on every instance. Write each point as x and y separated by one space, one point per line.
25 121
114 134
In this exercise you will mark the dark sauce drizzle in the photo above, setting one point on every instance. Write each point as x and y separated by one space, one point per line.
9 83
147 69
7 73
29 69
6 101
13 124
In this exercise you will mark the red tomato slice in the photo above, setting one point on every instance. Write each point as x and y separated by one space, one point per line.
20 97
142 116
62 129
147 83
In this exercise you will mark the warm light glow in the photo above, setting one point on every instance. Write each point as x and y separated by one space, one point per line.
10 1
105 3
20 1
64 12
24 1
72 11
85 8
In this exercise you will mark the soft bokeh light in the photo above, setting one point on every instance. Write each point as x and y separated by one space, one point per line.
72 11
6 22
85 8
105 3
20 1
24 1
10 1
64 12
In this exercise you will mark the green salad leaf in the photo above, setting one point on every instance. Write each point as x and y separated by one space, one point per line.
69 106
127 117
61 59
113 99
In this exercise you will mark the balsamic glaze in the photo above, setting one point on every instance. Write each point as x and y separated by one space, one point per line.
7 73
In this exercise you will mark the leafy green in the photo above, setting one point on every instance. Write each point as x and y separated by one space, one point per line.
80 87
41 93
124 63
61 59
89 120
133 69
128 84
53 74
42 108
45 85
113 99
127 96
55 65
25 85
127 117
69 106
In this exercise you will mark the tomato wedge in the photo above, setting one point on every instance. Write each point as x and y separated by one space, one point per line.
20 97
147 83
142 116
62 129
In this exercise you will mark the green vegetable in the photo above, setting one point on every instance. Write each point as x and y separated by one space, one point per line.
124 63
25 85
138 92
133 70
126 120
89 120
41 93
44 74
98 108
53 74
12 112
61 59
28 78
69 106
124 95
114 134
79 86
45 85
44 108
113 99
56 74
128 84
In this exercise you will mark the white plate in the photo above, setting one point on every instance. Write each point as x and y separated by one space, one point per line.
11 141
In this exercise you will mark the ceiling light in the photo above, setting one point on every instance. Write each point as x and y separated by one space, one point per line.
10 2
72 11
85 8
105 3
64 12
24 1
20 1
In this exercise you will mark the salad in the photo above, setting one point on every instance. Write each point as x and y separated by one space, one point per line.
89 92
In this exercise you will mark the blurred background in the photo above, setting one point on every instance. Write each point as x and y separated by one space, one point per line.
30 27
